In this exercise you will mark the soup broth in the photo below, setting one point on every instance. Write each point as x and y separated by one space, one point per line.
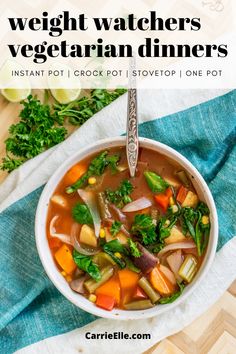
129 243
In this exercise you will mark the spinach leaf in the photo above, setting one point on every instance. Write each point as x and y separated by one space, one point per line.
120 196
115 246
115 227
133 246
172 298
165 225
143 226
155 182
189 217
86 264
202 234
81 214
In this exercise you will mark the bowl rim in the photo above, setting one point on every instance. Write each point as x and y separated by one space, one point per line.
53 273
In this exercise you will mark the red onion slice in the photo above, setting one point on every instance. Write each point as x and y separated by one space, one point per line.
63 237
120 215
87 251
90 200
176 246
139 204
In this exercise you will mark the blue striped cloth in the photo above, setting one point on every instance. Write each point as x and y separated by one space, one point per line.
31 308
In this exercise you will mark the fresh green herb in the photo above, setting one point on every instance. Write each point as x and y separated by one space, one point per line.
143 226
115 227
133 246
156 247
203 208
86 264
165 225
11 163
36 131
96 168
81 110
155 182
120 197
114 246
112 161
81 214
172 298
40 125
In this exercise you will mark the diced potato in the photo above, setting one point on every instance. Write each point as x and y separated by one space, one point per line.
173 182
87 236
59 200
191 200
122 238
175 236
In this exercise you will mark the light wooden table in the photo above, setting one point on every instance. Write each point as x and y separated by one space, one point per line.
214 332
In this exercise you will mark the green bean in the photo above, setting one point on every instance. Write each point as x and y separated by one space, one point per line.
138 305
148 289
106 273
103 206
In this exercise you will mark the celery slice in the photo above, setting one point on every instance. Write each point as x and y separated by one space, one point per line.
189 268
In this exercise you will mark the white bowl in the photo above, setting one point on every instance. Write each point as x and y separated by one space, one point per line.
45 253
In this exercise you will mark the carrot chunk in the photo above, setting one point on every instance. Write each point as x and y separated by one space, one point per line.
169 192
105 301
182 193
74 173
128 284
160 282
65 260
110 288
128 279
162 200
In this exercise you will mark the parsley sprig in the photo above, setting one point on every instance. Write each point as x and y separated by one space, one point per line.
41 125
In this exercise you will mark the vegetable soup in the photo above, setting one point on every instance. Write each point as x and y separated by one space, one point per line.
128 243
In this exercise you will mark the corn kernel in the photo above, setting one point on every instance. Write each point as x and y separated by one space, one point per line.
102 233
68 278
171 201
92 180
175 208
63 273
118 255
167 223
205 220
92 297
